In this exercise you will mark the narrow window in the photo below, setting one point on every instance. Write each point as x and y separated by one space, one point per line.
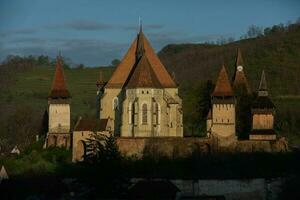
144 114
115 104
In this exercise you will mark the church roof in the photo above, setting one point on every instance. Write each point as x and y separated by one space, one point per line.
143 75
129 63
59 87
223 86
239 77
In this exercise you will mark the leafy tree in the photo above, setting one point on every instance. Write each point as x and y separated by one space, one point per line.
102 148
115 62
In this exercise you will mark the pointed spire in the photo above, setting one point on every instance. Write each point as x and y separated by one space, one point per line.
263 89
223 87
100 81
140 49
59 88
239 58
239 78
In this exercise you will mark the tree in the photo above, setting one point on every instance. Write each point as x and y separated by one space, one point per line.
102 148
115 62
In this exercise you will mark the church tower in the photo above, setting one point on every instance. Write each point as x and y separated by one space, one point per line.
223 111
239 81
263 111
141 97
59 110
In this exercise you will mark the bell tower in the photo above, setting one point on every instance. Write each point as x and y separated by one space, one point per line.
59 110
223 111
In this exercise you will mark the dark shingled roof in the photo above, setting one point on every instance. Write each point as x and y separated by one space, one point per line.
143 75
262 132
223 87
263 102
91 125
59 87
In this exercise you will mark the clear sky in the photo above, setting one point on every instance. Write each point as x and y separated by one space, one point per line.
94 32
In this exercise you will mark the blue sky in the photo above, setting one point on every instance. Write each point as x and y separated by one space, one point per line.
94 32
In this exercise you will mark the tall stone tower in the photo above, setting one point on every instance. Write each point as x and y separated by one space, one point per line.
263 111
59 110
223 111
239 80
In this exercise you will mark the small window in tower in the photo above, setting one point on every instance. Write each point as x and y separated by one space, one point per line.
142 91
147 92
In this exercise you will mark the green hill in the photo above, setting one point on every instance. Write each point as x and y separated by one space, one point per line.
278 53
25 83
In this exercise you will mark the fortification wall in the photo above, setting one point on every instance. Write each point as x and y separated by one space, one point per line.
181 147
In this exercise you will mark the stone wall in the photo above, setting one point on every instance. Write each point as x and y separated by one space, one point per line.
178 147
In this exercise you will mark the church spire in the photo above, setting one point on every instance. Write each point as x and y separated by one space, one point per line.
239 58
100 81
239 79
140 49
59 87
263 89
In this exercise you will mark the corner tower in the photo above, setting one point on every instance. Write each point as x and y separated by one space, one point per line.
239 80
59 110
223 110
263 112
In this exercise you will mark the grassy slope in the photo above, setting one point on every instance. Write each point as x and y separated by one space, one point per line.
279 54
32 87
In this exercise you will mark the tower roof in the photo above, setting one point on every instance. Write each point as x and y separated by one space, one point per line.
263 82
239 77
59 88
223 87
129 63
100 82
263 101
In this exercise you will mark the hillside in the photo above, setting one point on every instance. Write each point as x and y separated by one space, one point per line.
24 84
278 53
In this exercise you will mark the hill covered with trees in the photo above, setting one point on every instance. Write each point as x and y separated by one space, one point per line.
275 49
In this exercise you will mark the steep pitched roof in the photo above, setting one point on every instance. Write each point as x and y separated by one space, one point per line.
59 87
140 46
239 77
263 83
223 86
143 75
263 101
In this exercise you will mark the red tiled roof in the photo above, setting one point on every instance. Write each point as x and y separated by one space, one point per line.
223 86
59 88
91 125
143 75
239 78
123 70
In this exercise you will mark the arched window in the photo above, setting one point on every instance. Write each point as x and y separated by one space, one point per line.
115 104
144 114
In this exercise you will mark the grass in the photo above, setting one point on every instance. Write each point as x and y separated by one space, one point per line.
32 87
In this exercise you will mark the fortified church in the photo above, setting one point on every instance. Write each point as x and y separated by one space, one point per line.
140 103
